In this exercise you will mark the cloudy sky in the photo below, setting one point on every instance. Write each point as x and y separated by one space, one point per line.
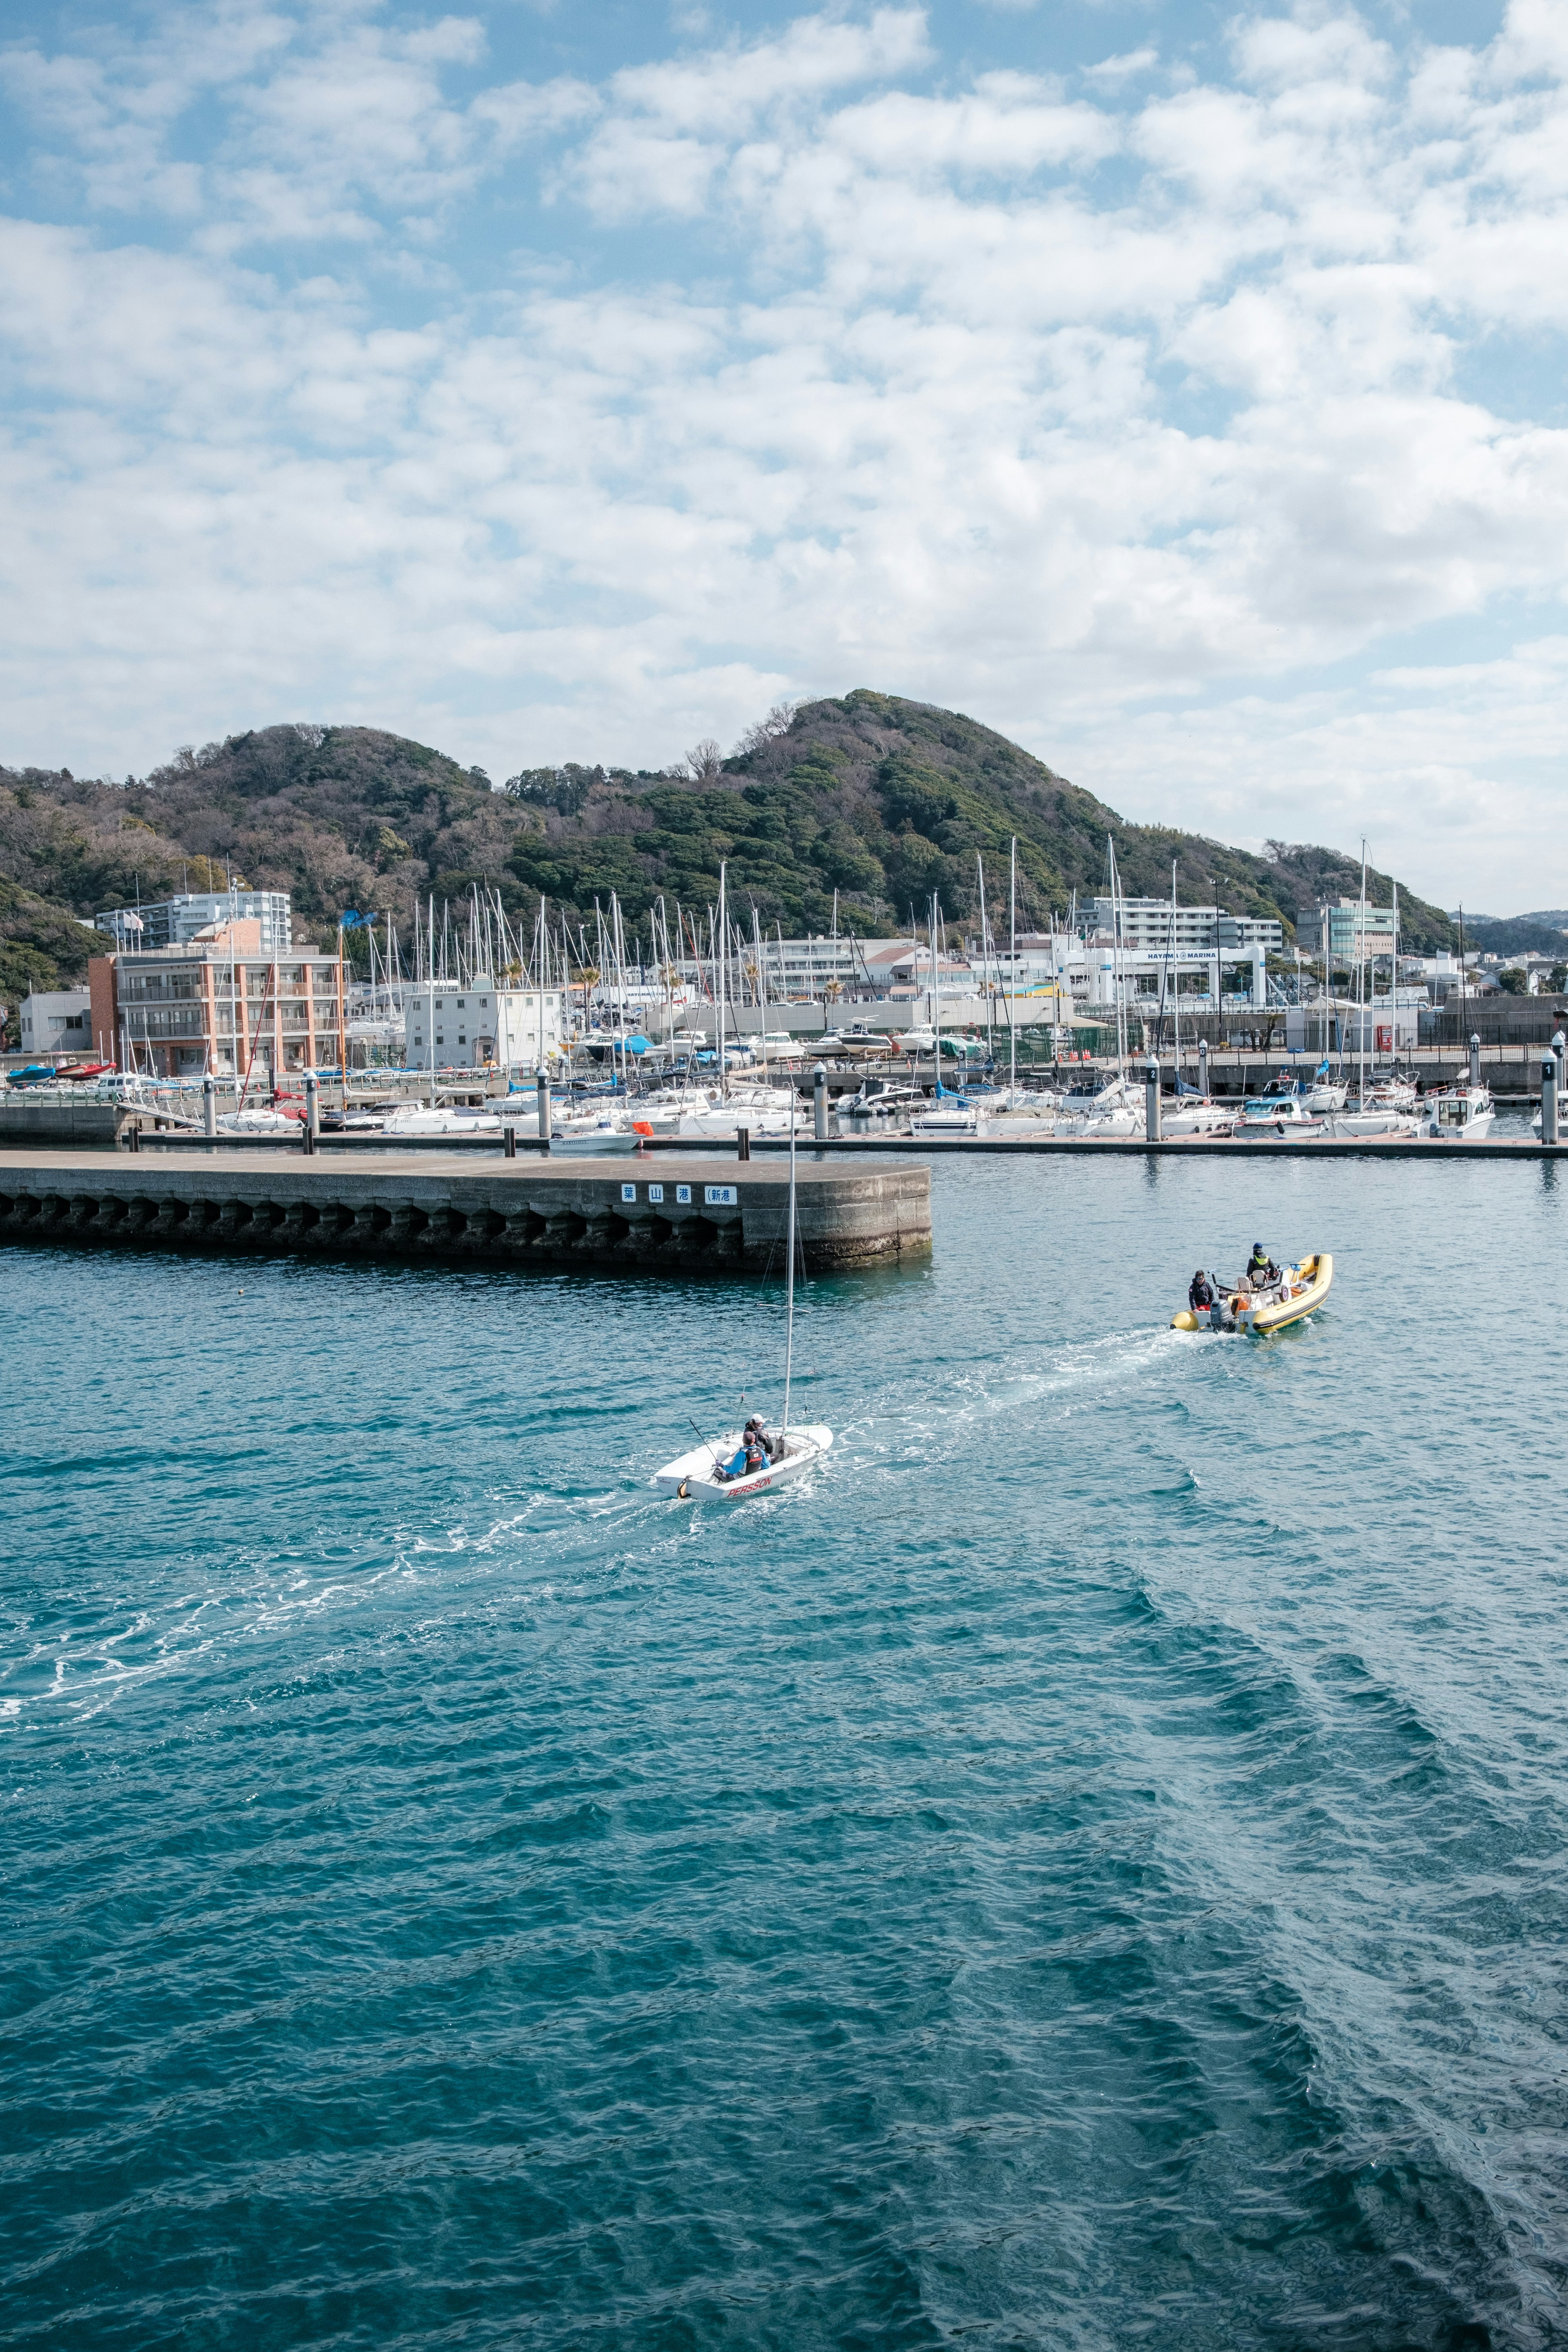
1180 392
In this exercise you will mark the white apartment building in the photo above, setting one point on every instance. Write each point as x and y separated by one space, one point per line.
1150 925
466 1025
176 922
1093 973
56 1021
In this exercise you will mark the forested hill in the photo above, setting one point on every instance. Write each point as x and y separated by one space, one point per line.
883 800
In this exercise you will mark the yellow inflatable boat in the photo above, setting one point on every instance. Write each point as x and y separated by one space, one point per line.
1304 1289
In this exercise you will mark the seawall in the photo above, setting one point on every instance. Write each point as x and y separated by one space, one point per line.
669 1216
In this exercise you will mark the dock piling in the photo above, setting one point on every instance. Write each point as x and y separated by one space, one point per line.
742 1143
819 1101
209 1108
541 1092
1204 1067
509 1142
312 1113
1475 1058
1549 1133
1152 1101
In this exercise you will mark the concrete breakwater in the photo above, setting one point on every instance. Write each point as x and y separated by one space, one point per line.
669 1217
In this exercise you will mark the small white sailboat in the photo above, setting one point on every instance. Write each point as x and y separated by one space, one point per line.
949 1116
701 1474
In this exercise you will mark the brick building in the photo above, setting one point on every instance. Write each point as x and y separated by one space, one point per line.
219 1004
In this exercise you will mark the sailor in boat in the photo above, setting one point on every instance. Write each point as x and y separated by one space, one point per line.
1201 1293
1262 1274
752 1454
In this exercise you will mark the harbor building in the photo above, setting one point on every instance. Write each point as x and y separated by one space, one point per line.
177 921
56 1021
1151 926
466 1024
220 1005
1347 932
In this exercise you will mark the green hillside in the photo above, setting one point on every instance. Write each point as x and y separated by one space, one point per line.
880 799
886 800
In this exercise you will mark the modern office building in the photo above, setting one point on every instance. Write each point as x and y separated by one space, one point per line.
176 922
1347 932
220 1005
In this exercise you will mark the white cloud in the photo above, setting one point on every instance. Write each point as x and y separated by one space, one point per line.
1111 422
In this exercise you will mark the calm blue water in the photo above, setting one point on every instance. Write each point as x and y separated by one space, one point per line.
1091 1872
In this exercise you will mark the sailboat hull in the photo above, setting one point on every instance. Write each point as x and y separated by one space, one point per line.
692 1475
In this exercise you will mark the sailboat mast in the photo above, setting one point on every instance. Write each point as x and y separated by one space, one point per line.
1175 986
1013 966
789 1287
1361 987
720 960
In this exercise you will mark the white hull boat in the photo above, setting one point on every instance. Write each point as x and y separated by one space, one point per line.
1463 1114
414 1122
1285 1116
700 1474
590 1142
1111 1111
1325 1096
1346 1125
958 1118
258 1122
692 1475
1202 1116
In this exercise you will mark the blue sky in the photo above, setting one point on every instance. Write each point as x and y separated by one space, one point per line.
1180 390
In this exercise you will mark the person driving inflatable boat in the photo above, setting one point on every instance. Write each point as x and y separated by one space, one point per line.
1262 1274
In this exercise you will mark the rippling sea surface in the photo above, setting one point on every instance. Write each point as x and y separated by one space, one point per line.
1089 1871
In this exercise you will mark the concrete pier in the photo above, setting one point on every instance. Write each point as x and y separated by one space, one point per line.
663 1216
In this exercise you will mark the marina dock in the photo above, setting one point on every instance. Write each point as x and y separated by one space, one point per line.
675 1215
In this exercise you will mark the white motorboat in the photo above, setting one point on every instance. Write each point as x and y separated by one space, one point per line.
701 1474
1276 1116
1464 1113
